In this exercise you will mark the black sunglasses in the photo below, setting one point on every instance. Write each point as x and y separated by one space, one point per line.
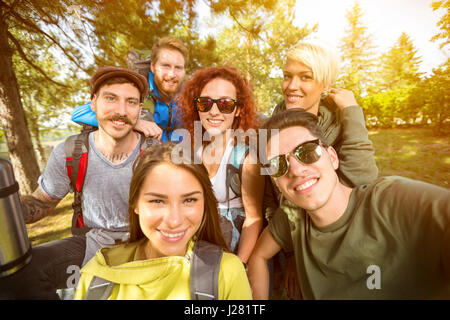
225 105
308 152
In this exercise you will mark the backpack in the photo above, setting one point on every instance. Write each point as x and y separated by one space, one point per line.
76 150
204 275
142 66
234 181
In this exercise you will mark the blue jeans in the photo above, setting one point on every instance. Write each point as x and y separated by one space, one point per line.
47 270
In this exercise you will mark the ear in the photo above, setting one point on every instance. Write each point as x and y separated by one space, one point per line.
334 159
136 210
152 67
94 103
238 112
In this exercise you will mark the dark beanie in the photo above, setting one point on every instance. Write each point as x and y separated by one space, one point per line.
105 73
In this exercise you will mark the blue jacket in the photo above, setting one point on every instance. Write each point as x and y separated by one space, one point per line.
84 114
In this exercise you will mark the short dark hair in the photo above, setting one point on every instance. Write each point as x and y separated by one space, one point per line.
295 117
118 80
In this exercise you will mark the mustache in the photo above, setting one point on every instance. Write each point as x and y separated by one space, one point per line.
118 117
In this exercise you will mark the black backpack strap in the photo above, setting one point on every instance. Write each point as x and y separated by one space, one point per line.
205 268
99 289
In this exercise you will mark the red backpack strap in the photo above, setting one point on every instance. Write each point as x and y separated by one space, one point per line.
76 148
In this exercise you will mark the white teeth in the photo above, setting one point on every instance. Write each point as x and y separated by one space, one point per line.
307 184
214 120
172 235
120 123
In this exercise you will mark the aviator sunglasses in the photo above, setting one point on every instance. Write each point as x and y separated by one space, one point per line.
308 152
225 105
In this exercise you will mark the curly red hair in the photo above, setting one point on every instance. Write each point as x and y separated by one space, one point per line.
244 95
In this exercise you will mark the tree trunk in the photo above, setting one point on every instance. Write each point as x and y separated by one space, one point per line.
13 120
42 157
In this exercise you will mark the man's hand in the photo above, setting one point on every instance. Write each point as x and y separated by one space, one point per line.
342 98
37 205
149 129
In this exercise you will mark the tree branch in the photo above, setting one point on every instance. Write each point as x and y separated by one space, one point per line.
25 58
38 30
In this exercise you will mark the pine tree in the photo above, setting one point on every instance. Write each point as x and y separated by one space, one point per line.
400 65
357 54
257 43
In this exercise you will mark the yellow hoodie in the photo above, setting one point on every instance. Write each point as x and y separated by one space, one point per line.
165 278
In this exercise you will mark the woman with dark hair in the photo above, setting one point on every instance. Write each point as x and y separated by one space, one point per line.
171 208
223 102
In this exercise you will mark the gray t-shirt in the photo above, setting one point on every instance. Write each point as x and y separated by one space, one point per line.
105 191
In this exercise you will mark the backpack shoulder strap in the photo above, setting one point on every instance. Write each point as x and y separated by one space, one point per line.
99 289
205 268
234 168
149 106
76 149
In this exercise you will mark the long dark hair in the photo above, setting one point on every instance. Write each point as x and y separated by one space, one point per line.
210 228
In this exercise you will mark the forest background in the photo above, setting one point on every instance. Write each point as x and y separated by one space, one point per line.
49 50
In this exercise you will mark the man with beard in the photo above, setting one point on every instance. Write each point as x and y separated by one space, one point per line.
167 71
116 98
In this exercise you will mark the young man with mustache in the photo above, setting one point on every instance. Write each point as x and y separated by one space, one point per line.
389 239
168 69
116 98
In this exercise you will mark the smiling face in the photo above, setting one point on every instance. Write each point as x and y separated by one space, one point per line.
309 186
300 88
117 109
168 71
170 208
214 121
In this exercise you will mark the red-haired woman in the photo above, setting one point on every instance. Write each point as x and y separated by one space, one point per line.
223 102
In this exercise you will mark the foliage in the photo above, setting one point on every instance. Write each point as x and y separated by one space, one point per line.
403 95
257 43
434 97
357 54
444 22
392 99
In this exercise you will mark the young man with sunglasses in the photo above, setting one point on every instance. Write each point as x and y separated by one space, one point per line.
309 73
386 240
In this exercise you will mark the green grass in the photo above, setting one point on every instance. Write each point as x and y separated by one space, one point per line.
414 153
55 226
